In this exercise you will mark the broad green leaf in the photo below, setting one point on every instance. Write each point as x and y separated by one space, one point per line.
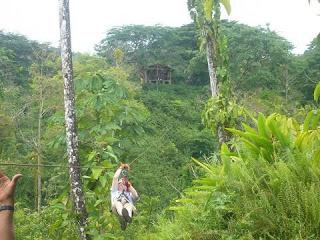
259 140
208 8
274 127
248 128
315 120
307 121
107 164
236 159
103 181
224 149
227 5
96 173
266 154
204 166
271 118
236 132
92 155
227 166
98 202
110 154
58 206
299 139
253 138
251 146
212 181
262 128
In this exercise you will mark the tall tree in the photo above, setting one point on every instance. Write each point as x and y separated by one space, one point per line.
70 118
146 45
206 15
44 97
41 71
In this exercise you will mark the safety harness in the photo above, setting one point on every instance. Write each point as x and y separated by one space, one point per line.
123 197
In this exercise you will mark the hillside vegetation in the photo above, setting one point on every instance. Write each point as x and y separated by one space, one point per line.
262 184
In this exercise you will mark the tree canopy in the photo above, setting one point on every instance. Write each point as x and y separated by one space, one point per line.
261 184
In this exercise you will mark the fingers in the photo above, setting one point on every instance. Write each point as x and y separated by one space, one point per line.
121 165
15 179
3 178
124 166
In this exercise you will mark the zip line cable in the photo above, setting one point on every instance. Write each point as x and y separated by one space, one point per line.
140 156
30 165
43 165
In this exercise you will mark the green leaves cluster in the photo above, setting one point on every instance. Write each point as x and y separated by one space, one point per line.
266 188
220 111
256 56
142 46
17 53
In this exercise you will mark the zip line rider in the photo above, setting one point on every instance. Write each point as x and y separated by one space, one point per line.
123 196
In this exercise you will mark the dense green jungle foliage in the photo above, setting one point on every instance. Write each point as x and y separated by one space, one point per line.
263 184
261 59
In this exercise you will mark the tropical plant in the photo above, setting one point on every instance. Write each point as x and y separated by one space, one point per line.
267 188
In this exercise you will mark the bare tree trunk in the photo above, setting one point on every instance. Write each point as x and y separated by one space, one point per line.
211 69
221 133
223 136
70 119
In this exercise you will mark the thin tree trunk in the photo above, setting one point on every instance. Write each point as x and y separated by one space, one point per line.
221 133
223 136
211 69
70 119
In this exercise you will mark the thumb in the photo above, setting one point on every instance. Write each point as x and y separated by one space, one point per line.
15 179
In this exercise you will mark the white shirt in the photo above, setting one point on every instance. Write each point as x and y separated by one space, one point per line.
115 195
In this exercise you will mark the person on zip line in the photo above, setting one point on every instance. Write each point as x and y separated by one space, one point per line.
123 196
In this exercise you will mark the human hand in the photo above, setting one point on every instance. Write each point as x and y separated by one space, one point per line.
7 188
125 166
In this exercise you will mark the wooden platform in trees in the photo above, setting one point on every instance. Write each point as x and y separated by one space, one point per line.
157 73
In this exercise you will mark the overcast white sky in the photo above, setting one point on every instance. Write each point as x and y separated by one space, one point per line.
295 20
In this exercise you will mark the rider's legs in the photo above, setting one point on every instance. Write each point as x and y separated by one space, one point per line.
130 208
117 208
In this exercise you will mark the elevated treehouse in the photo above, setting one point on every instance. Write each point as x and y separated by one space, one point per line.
158 74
